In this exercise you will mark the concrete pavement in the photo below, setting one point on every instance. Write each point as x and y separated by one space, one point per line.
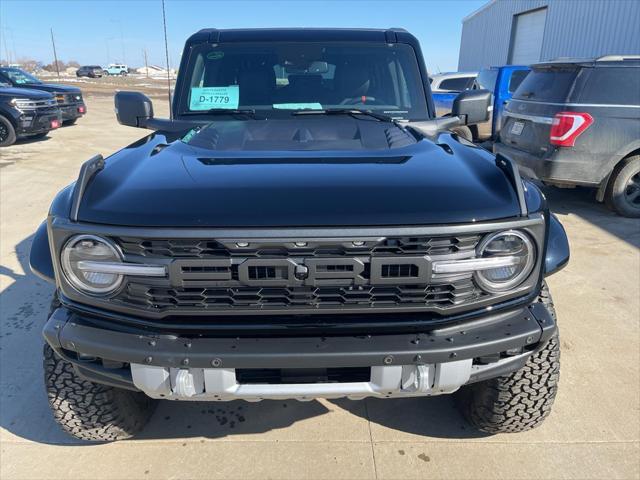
593 432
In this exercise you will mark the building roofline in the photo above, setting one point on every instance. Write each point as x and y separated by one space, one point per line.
478 10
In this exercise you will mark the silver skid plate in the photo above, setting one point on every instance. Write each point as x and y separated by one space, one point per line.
220 384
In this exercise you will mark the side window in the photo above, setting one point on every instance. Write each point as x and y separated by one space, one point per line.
614 86
455 84
516 79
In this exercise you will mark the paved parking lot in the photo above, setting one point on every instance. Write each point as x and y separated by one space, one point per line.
593 432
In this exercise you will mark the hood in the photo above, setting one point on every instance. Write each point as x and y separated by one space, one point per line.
248 177
24 93
53 87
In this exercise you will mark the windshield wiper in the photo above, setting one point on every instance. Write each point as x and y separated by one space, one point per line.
224 111
353 112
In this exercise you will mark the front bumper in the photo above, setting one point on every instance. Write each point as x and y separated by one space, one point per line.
206 368
35 122
561 166
73 111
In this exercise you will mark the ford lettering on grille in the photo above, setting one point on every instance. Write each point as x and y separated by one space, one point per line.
292 272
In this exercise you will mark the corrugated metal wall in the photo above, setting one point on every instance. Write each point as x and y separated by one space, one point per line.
574 28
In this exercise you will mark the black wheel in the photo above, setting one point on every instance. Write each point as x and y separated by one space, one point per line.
463 132
68 123
623 192
90 411
521 400
7 133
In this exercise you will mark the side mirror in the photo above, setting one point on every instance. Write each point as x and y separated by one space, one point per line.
472 106
133 109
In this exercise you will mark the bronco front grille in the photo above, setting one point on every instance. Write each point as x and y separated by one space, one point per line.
218 276
201 248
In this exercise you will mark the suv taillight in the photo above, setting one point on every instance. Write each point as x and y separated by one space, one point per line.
567 127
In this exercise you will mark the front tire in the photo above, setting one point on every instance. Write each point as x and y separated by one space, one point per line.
7 132
90 411
521 400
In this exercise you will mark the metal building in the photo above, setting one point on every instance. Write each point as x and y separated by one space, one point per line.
522 32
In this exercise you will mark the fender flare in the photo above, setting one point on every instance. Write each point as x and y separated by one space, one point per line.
40 255
557 255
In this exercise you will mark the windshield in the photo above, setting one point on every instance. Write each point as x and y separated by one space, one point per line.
19 76
279 78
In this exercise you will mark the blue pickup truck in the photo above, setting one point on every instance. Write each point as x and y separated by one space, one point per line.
502 81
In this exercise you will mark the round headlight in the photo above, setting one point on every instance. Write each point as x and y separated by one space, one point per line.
81 257
517 251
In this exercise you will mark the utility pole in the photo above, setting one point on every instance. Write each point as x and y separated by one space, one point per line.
55 55
146 64
166 52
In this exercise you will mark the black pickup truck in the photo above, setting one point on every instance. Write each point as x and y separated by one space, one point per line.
69 98
302 227
26 113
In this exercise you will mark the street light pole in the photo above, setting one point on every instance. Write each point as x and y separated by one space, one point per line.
55 55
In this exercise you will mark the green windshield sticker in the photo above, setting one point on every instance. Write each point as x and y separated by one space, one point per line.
215 55
298 106
190 134
206 98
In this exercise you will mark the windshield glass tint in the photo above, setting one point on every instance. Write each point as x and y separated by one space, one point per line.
546 85
278 78
19 76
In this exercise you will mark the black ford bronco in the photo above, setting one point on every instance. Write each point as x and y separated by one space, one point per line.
301 227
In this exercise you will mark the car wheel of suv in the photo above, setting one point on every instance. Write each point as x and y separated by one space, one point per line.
463 132
90 411
623 192
521 400
7 133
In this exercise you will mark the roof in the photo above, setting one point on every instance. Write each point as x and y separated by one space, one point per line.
591 62
478 10
298 35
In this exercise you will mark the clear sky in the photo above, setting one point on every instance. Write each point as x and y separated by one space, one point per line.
105 31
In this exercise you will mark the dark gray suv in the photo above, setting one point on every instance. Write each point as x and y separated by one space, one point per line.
577 122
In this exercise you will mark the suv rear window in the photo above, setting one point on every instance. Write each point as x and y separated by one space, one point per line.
612 86
547 85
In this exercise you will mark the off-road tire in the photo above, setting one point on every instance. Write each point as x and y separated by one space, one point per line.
615 195
90 411
521 400
8 136
464 132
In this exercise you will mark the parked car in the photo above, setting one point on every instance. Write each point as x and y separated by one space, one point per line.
502 82
117 69
69 98
577 122
26 113
91 71
322 237
451 81
446 86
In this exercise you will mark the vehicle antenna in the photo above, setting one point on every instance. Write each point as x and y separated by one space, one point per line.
166 52
55 55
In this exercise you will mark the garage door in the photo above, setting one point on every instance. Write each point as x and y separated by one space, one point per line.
527 38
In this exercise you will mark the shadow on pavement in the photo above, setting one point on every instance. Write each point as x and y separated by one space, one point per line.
581 202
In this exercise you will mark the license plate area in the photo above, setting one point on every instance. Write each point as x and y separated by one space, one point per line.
298 376
517 128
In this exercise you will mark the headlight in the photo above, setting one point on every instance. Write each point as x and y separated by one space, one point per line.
513 256
84 258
